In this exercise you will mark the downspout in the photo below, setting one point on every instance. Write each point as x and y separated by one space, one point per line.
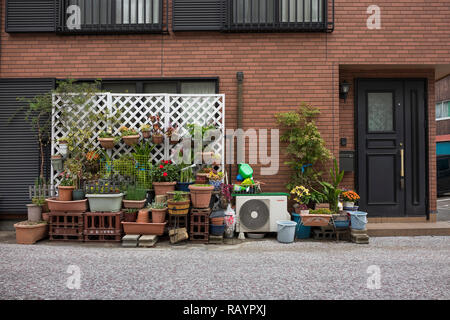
240 111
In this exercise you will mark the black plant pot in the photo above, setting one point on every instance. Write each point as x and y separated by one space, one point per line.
78 194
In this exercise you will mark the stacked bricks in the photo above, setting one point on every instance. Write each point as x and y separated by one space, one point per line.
102 226
199 227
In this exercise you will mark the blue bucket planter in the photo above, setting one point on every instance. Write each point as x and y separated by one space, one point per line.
286 231
216 230
183 186
302 232
358 220
342 223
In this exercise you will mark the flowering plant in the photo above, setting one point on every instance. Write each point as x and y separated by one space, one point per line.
165 171
124 131
350 196
215 176
66 181
156 126
172 131
145 127
92 156
300 194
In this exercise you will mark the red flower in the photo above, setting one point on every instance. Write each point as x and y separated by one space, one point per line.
166 162
170 161
165 174
161 166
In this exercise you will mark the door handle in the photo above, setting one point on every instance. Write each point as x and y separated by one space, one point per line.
402 167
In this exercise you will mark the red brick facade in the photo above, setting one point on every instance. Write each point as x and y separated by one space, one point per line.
281 70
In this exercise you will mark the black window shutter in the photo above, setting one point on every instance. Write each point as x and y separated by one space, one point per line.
19 149
31 15
198 15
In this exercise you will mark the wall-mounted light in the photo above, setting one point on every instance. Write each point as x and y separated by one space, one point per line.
344 88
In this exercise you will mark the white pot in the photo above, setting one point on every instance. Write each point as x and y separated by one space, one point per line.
304 211
348 204
63 149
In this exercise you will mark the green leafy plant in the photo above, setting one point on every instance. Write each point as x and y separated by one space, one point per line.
180 196
143 150
124 131
305 147
321 211
39 201
66 180
134 193
331 190
186 174
158 205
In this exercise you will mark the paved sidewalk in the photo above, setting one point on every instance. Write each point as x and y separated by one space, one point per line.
411 268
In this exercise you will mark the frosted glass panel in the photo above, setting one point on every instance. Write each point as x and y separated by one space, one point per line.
380 111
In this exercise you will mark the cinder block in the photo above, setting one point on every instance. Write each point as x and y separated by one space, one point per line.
361 239
130 240
148 241
215 239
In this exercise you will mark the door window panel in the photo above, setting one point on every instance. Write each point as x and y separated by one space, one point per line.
380 111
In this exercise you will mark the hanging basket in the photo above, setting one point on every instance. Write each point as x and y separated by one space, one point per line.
131 140
146 134
158 139
107 143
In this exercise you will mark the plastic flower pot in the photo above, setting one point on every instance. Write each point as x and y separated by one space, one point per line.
55 205
286 231
217 221
57 163
78 194
130 216
183 186
348 204
178 207
315 220
200 195
201 178
27 233
216 230
134 204
358 220
159 215
34 212
107 143
142 216
144 228
65 193
162 187
131 140
105 202
302 231
216 184
63 149
157 139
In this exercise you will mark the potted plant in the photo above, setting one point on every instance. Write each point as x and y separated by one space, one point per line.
172 134
157 134
301 195
92 164
35 209
65 188
146 132
130 215
349 198
186 178
316 218
74 167
165 176
63 145
129 136
159 210
57 162
179 203
107 140
104 197
135 198
201 195
215 179
202 175
28 232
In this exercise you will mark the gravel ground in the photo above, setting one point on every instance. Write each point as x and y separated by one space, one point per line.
411 268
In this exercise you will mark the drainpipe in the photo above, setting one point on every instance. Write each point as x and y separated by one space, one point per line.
240 110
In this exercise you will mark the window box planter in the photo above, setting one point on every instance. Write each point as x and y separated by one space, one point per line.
315 220
34 212
200 195
162 187
133 204
105 202
55 205
30 233
131 140
107 143
144 228
65 193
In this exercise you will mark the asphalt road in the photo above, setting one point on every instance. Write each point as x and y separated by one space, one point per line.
387 268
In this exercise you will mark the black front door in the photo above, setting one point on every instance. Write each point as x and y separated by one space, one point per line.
391 139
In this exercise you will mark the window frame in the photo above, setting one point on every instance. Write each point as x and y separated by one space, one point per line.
442 103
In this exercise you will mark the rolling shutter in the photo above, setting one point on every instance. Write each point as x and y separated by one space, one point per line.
30 15
19 150
198 15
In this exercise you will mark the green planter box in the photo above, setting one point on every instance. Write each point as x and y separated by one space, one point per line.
105 202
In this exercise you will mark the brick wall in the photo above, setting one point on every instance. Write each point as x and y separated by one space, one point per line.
281 70
443 89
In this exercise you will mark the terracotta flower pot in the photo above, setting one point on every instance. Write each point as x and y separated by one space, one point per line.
30 233
130 216
157 139
142 216
217 221
131 140
180 207
315 220
107 143
55 205
34 212
200 195
201 178
133 204
144 228
45 216
65 193
146 134
162 187
159 215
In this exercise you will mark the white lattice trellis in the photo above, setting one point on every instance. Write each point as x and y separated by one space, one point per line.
133 110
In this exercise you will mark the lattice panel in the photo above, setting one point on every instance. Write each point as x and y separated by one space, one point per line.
133 110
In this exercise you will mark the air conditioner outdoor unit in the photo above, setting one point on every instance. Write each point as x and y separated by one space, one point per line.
260 212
